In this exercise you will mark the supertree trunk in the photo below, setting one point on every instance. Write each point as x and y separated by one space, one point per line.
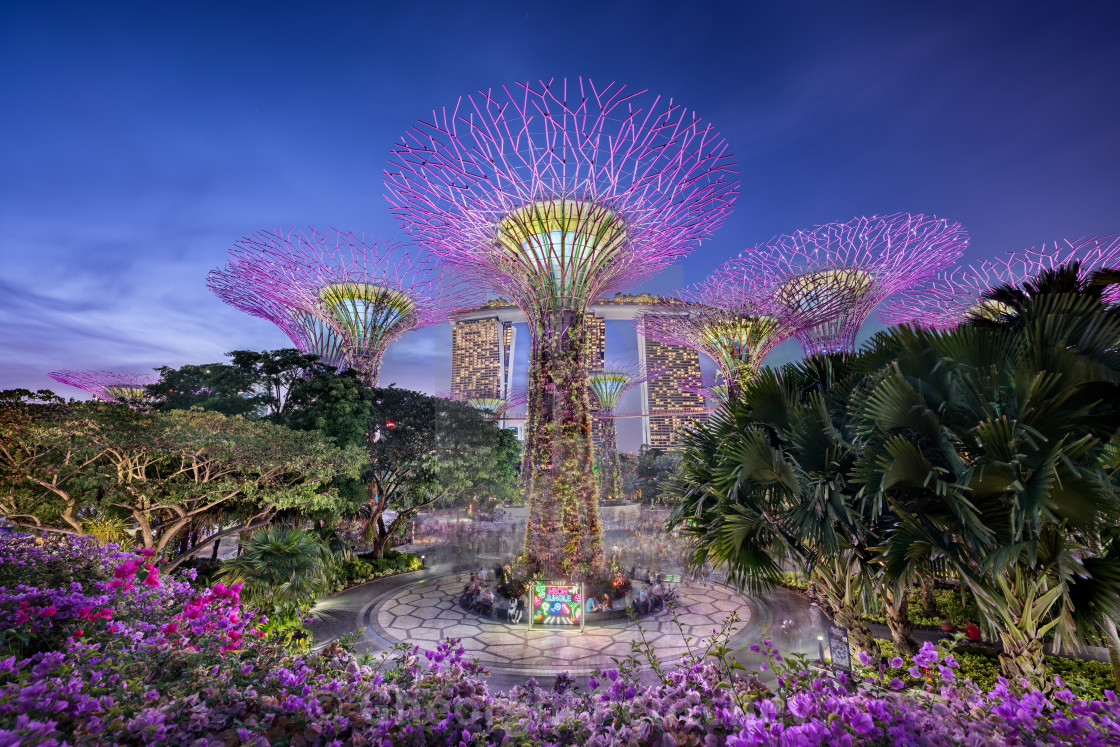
610 470
564 533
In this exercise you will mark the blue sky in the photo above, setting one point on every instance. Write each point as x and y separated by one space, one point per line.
141 140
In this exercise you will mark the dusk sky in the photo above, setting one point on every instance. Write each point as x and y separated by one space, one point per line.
141 140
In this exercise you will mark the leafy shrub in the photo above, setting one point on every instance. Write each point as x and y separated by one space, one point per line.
365 568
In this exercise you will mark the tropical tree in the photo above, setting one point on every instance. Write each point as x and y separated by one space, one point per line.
991 446
63 465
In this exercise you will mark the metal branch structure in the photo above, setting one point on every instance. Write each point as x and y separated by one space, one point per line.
607 386
827 280
555 193
337 295
954 297
120 387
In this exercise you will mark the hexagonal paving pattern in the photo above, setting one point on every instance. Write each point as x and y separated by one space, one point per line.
427 611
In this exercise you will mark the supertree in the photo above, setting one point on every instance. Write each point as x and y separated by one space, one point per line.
337 295
121 387
735 329
956 296
494 408
607 386
555 194
827 280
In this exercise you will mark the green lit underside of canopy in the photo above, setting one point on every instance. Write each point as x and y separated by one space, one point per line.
827 288
737 339
125 392
988 309
366 314
561 244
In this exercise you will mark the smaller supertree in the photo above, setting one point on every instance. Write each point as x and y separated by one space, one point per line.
736 331
607 386
839 272
494 408
957 296
338 293
120 387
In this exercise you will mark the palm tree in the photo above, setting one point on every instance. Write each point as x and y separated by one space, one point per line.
987 445
283 570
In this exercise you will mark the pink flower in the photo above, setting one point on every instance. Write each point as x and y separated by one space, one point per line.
169 628
153 578
147 552
50 611
126 570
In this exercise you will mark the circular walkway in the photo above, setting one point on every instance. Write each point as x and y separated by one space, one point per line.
425 612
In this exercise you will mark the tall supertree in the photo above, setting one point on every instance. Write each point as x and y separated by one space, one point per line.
121 387
337 295
956 296
828 279
556 193
607 386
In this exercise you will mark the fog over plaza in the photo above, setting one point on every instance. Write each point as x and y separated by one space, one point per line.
141 141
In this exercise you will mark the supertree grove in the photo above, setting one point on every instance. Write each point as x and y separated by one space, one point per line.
120 387
554 194
608 385
827 280
337 295
956 296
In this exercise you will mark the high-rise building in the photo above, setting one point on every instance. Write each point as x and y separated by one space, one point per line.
482 347
665 400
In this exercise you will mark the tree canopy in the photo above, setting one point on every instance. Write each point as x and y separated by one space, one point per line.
62 465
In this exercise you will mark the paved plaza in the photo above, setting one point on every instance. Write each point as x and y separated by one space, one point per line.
424 611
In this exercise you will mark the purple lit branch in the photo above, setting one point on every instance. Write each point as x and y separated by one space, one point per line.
953 297
840 272
337 295
121 387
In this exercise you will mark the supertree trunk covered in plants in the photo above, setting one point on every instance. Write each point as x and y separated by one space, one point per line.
846 270
337 295
120 387
955 297
553 194
607 387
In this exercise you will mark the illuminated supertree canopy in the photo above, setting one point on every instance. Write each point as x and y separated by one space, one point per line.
556 193
607 386
337 295
956 296
121 387
827 280
737 330
495 407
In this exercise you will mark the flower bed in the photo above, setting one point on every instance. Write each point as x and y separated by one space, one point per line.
103 648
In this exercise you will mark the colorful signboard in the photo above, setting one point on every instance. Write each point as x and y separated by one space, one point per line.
556 607
838 647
